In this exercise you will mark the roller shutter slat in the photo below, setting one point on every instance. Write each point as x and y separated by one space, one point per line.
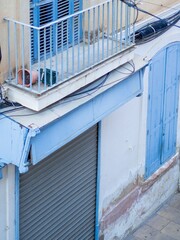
50 174
38 199
54 177
52 166
38 220
66 225
50 194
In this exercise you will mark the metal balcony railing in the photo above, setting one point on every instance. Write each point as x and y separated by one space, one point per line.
59 50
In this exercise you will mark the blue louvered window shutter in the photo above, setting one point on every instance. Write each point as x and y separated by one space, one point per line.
57 37
76 22
70 30
63 9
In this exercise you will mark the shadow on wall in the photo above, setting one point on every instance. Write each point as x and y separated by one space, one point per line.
0 54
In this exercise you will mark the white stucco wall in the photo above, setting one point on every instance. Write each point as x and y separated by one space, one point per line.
119 147
7 204
123 147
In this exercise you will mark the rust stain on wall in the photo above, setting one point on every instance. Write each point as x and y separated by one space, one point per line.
123 204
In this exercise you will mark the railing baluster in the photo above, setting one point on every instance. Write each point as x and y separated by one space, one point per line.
113 28
134 18
38 40
16 51
51 46
67 49
9 52
84 38
89 17
56 51
45 75
22 55
126 25
103 32
62 43
117 18
78 43
73 46
108 30
98 32
121 19
94 17
129 24
30 63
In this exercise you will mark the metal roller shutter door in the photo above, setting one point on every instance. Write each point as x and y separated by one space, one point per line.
58 195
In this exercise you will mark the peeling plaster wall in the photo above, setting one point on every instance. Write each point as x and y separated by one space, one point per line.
126 199
139 205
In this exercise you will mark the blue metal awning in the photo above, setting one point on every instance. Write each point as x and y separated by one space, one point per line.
25 133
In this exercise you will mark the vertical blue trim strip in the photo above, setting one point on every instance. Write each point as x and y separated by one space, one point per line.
2 165
98 183
16 203
36 22
1 176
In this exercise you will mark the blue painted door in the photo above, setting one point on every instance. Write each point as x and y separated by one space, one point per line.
171 102
162 107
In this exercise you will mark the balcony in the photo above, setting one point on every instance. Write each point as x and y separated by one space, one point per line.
67 54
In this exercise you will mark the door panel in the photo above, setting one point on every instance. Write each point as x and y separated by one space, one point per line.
162 107
155 101
170 103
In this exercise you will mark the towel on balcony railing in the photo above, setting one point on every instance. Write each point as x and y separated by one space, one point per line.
48 76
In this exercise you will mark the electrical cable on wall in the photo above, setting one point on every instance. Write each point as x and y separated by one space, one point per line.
102 83
4 102
132 4
155 29
79 95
